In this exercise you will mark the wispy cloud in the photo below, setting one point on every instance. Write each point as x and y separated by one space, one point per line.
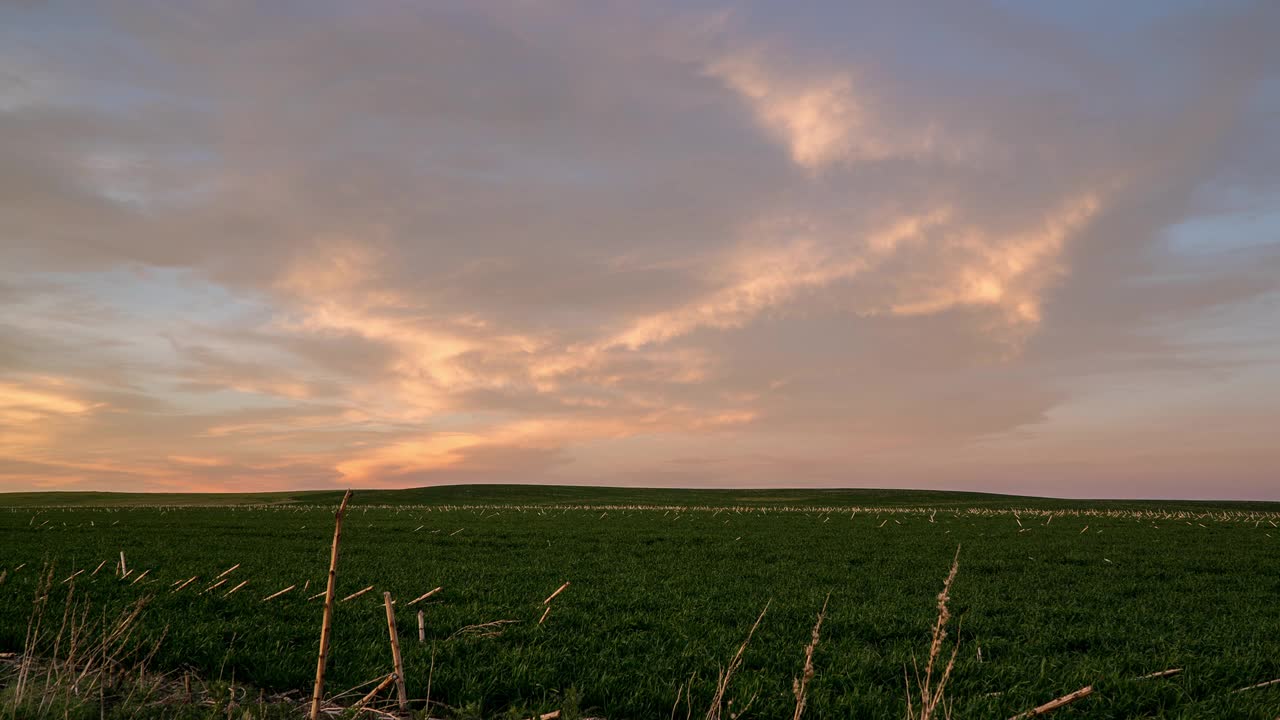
828 117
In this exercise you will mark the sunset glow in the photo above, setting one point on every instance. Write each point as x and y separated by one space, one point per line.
391 244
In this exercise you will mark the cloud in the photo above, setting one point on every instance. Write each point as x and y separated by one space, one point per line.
37 398
828 117
542 438
762 278
398 244
1010 273
818 121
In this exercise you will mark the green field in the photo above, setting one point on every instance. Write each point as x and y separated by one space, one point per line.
665 585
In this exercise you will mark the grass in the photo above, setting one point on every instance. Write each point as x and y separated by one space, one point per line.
660 598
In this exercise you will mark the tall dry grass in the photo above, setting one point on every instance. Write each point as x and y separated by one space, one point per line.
800 685
86 658
717 708
930 692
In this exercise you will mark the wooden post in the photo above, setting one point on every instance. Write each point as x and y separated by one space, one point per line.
326 626
402 696
422 627
123 570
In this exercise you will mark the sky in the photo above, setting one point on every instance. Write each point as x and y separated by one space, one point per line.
983 245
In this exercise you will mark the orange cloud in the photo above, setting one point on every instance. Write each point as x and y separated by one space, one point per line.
40 397
819 121
445 450
826 117
765 278
1010 273
198 461
28 412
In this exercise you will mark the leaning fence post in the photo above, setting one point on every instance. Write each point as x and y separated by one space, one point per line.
326 626
402 696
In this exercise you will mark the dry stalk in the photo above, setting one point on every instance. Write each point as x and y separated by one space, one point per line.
1268 683
356 594
373 693
800 686
554 594
492 628
278 594
722 683
34 624
401 696
1054 704
353 690
423 596
931 689
326 625
81 658
431 675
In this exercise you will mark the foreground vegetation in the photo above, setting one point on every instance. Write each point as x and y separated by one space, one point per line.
1050 596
